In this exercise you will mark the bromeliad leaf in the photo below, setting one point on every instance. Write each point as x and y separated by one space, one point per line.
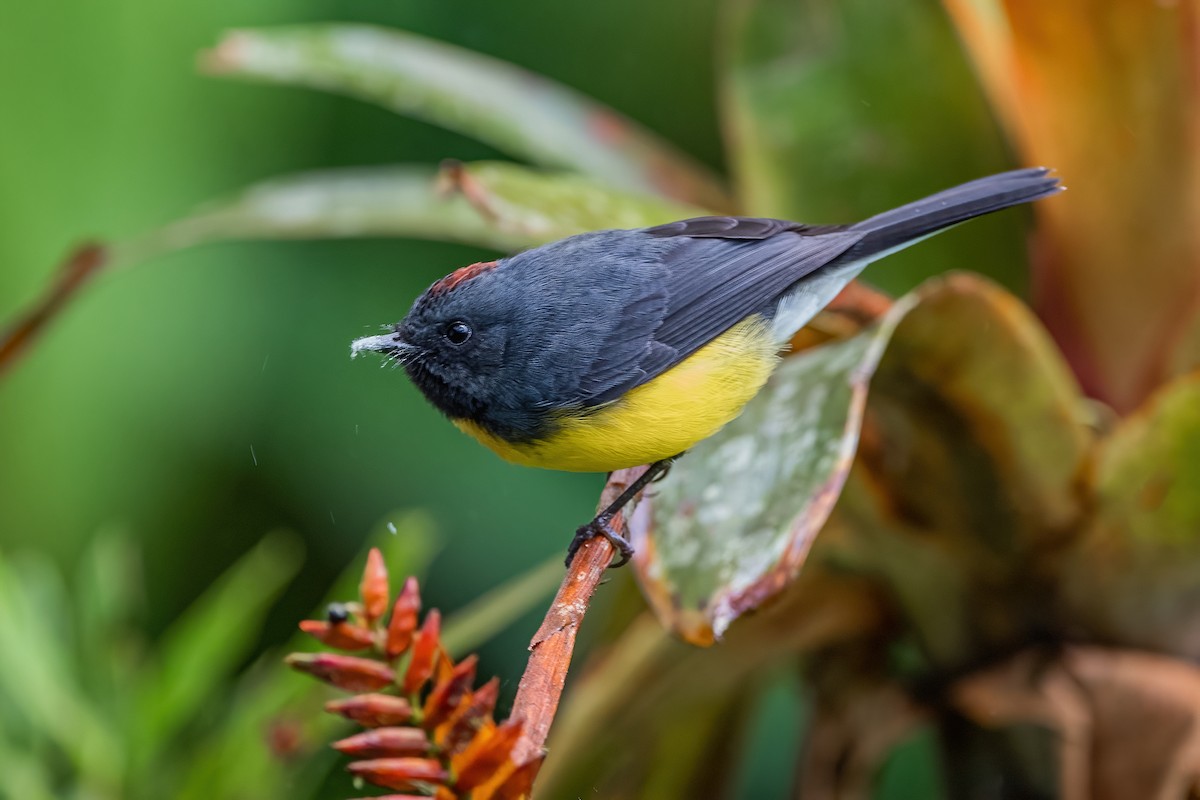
518 112
495 205
537 207
1135 577
1117 276
733 521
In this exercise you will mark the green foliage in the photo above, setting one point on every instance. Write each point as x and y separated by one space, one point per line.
90 708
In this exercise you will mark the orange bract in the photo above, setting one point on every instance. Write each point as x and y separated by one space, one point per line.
449 747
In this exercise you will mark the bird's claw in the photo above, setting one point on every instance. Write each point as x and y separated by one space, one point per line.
600 527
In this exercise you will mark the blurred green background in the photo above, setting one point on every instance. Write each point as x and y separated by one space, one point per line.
207 398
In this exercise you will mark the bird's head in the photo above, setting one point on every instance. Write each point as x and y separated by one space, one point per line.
453 341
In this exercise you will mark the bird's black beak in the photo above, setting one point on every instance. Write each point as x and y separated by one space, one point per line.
389 344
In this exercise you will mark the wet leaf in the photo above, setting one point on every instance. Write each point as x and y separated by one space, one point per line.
518 112
735 517
1104 93
1135 578
820 111
968 386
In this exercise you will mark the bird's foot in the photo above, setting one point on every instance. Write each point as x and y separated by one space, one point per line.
600 527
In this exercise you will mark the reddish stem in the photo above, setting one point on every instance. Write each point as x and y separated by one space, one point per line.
85 262
541 686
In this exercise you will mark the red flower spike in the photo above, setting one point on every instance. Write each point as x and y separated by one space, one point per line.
449 692
385 743
345 672
404 619
402 774
396 797
424 652
457 732
374 587
519 784
342 635
372 710
443 793
486 756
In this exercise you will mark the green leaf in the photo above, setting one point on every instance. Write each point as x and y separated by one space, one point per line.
490 204
108 588
1135 577
518 112
380 201
36 678
23 776
200 652
838 109
543 206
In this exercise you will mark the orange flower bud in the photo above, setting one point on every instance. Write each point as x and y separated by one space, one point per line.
404 619
402 774
372 710
374 586
446 696
486 756
342 635
385 743
463 725
345 672
424 652
519 785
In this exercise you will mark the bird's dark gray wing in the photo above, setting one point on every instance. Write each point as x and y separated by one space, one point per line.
720 271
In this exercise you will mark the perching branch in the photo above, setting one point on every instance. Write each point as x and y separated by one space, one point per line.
85 262
542 684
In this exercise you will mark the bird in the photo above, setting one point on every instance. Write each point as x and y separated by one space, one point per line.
618 348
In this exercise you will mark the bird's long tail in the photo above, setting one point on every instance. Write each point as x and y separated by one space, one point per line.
905 225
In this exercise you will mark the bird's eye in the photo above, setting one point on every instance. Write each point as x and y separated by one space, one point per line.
458 332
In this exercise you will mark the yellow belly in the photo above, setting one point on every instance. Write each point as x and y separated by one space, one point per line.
658 419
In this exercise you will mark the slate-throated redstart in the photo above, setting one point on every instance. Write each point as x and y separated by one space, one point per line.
617 348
